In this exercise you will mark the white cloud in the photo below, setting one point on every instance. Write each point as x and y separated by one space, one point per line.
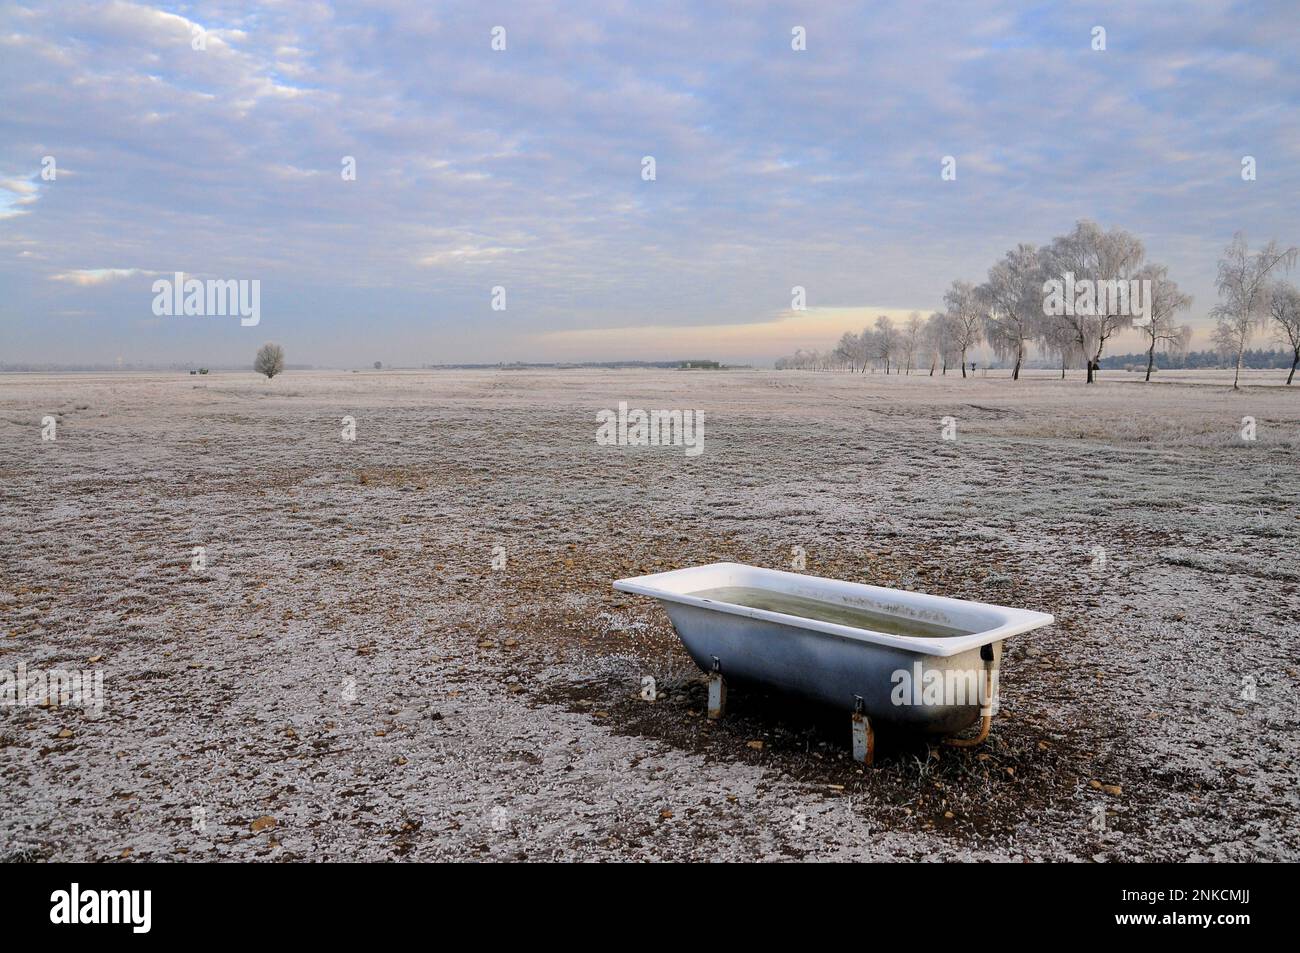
523 168
86 277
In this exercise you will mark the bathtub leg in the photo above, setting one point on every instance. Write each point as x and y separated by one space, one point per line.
864 737
717 691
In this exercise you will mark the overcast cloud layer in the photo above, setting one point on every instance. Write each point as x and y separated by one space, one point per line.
522 168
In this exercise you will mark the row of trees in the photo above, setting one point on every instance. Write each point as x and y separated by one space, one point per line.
1254 359
1102 284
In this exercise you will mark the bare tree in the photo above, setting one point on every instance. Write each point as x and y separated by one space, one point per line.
886 339
938 341
1284 308
1225 344
1104 263
932 339
964 318
1163 301
868 348
1012 300
846 351
269 360
912 337
1057 337
1242 286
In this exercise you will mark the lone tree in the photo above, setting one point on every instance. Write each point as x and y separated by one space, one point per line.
1284 306
1242 287
269 360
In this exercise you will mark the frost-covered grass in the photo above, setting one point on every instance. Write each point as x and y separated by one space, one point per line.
350 664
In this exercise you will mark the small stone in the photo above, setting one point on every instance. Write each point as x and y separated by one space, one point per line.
65 733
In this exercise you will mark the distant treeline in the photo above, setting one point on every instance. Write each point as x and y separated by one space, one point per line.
693 364
34 368
1069 298
1167 361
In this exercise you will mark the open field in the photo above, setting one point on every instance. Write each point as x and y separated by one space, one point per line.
350 665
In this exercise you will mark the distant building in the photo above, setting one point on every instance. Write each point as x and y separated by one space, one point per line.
701 366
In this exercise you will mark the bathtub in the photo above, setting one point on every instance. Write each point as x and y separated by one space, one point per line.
881 675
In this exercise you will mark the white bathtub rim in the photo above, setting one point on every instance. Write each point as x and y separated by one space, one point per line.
1013 621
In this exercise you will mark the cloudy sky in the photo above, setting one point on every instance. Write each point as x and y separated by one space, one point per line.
522 168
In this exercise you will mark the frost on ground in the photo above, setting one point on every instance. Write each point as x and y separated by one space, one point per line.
349 677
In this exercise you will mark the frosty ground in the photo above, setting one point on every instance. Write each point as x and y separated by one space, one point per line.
349 677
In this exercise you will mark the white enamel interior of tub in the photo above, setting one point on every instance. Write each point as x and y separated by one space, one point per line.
986 623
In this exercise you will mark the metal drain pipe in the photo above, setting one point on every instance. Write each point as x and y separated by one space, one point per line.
986 722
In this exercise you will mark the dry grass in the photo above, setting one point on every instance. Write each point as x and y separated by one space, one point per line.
478 692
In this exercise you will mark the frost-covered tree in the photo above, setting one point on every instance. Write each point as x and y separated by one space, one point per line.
1058 339
1163 302
846 351
1243 291
886 340
269 360
938 341
1284 309
1104 259
1012 301
965 316
911 337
